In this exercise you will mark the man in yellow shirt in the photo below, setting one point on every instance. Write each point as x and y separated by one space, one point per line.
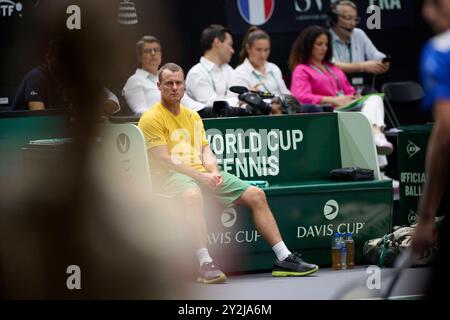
183 164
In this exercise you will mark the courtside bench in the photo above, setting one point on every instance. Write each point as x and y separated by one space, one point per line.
295 155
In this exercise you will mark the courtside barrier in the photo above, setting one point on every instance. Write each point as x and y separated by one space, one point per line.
295 155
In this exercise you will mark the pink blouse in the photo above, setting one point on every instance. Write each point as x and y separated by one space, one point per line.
309 85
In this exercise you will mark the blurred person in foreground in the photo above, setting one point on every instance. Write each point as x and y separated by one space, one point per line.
184 166
67 217
434 201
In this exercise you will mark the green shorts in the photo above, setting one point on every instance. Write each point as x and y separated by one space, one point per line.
174 183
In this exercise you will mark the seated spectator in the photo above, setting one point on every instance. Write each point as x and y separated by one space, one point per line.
353 51
210 79
254 71
316 80
41 89
140 90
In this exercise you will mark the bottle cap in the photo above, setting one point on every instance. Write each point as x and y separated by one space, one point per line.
337 234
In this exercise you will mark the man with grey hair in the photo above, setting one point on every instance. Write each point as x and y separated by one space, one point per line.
184 166
353 51
140 90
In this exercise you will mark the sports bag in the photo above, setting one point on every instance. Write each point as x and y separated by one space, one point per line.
383 251
351 174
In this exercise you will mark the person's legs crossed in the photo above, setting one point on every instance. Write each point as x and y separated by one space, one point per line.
373 109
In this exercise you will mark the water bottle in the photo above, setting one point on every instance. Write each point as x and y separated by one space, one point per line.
343 252
336 252
350 251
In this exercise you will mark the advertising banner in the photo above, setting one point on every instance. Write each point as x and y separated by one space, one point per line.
281 16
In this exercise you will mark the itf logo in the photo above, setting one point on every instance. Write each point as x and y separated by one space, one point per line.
7 7
331 209
229 217
256 12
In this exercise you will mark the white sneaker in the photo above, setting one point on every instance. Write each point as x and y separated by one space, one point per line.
384 147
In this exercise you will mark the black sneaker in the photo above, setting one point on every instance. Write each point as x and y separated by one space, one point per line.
293 266
210 273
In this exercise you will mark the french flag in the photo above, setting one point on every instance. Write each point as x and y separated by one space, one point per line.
256 12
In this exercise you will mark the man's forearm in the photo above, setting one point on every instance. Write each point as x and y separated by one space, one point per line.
438 159
169 163
209 160
350 67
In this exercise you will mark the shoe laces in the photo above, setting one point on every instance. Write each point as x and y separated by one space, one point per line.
297 257
211 266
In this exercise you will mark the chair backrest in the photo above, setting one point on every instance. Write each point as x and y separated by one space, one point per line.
407 91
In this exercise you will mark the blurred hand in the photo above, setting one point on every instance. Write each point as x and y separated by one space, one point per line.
255 87
341 101
423 236
375 67
211 180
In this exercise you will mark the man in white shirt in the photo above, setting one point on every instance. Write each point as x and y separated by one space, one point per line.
140 90
210 79
353 51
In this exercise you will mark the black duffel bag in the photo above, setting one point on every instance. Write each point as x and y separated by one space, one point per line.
351 174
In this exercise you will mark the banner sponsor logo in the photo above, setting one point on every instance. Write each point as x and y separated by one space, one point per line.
331 210
412 217
228 220
252 153
412 148
8 7
123 143
229 217
256 12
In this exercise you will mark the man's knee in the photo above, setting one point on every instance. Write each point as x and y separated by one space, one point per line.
192 196
255 196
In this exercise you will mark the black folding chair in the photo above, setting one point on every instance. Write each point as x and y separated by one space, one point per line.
407 91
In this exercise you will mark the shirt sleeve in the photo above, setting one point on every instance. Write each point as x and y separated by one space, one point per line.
343 80
35 87
199 122
279 78
241 78
137 98
191 103
199 87
301 87
370 51
435 76
154 131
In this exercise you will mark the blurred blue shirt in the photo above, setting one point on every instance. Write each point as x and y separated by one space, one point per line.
435 70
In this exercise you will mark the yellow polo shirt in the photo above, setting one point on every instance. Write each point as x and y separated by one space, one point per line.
183 134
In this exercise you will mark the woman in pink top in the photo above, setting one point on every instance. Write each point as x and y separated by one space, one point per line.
316 80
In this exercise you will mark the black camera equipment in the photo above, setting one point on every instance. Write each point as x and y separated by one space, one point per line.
255 105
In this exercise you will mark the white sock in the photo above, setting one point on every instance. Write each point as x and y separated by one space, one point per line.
281 251
203 256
